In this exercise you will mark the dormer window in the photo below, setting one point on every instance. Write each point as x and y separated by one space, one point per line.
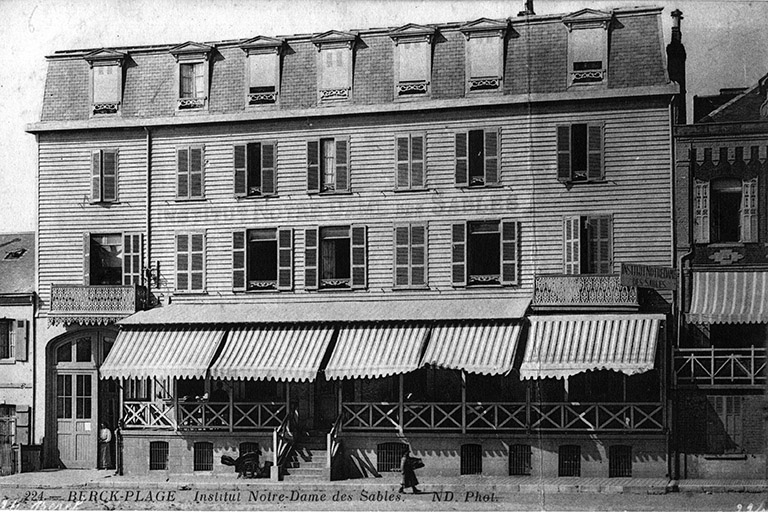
484 54
106 81
587 46
192 75
262 70
334 66
413 60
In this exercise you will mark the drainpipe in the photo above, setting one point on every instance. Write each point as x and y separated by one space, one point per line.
148 227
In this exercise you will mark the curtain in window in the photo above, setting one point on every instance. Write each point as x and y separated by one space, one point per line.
413 62
106 85
263 70
335 68
587 45
484 57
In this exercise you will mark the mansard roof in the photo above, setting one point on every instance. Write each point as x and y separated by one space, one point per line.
751 105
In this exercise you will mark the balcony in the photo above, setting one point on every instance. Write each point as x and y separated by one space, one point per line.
720 367
203 415
584 291
91 305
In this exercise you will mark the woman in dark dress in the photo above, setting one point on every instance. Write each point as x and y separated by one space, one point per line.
409 475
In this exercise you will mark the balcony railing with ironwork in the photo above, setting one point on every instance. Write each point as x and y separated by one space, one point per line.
583 291
98 304
508 416
720 367
197 415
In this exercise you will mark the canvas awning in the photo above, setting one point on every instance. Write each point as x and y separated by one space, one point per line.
477 347
181 352
280 352
378 350
729 297
562 346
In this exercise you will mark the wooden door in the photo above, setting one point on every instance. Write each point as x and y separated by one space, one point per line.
76 419
7 426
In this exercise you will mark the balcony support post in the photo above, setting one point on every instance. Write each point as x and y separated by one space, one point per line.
752 366
463 402
401 416
712 365
231 408
176 411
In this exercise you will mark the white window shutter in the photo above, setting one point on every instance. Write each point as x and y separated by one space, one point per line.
749 210
572 245
20 340
701 212
285 259
238 261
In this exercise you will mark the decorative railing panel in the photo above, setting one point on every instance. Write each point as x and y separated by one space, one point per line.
191 103
97 304
155 415
508 416
736 367
203 415
588 290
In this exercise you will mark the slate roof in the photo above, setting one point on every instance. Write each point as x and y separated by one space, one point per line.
742 108
536 62
17 263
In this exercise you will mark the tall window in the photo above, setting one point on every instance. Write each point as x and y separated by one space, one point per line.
263 77
328 165
410 162
255 169
104 176
13 340
335 257
107 87
262 259
587 49
6 339
413 68
484 55
190 167
334 66
410 264
580 152
190 262
192 81
112 259
485 253
588 244
725 210
477 157
192 75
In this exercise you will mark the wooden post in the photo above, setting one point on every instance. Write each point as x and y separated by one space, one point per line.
175 405
400 420
463 402
712 365
231 408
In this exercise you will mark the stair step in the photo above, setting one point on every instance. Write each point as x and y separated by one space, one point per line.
306 464
314 472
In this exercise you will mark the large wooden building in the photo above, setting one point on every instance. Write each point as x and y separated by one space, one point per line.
372 239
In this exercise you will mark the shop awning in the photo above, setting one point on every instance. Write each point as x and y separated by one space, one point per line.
729 297
562 346
279 352
181 352
482 347
371 351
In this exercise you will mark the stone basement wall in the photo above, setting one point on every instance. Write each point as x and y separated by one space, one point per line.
441 453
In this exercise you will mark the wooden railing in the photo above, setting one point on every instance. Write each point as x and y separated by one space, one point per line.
333 443
733 367
521 416
203 415
283 439
587 290
71 303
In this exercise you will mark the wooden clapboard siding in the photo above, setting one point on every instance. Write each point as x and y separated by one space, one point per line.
64 208
636 157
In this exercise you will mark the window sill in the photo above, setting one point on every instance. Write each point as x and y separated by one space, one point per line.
259 196
7 361
571 183
410 288
411 190
480 187
192 293
105 204
331 193
721 245
190 199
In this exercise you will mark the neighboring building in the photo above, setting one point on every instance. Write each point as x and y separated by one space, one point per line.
351 226
722 225
17 370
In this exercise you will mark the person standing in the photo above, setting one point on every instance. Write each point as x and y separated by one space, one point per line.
105 438
408 467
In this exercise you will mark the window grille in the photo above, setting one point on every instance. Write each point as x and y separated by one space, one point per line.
569 460
471 459
203 456
620 461
158 455
520 459
248 447
388 456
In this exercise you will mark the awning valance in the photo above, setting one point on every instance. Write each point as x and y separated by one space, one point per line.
562 346
729 297
279 352
379 350
181 352
478 347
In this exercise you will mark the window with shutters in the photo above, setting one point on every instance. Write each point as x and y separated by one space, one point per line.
580 152
6 340
588 244
410 262
113 259
190 262
328 165
104 176
334 66
336 257
263 78
725 210
477 158
588 55
190 171
484 55
106 81
192 73
255 172
410 159
413 60
262 259
485 253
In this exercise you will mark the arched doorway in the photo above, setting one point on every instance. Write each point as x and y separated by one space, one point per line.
79 402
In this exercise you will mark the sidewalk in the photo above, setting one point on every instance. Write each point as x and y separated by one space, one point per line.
94 479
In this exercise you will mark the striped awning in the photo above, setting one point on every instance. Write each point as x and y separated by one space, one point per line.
279 352
485 347
729 297
562 346
371 351
176 352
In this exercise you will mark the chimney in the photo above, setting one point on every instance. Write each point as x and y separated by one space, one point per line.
528 9
676 66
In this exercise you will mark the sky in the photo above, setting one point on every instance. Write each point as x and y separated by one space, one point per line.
726 43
